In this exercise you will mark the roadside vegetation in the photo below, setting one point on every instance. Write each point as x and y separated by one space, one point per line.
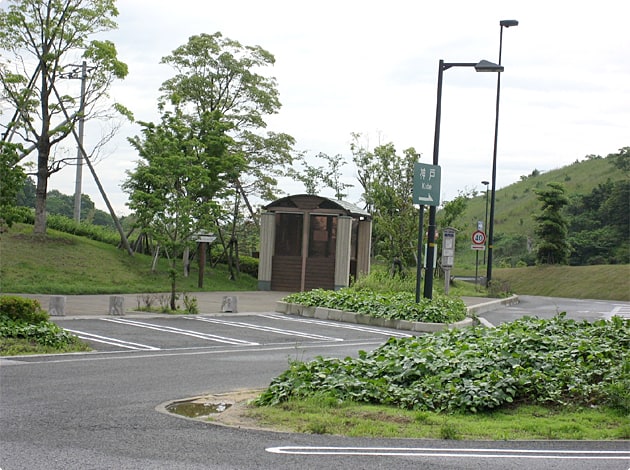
470 383
25 329
398 306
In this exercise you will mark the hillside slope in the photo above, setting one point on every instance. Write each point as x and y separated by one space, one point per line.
517 203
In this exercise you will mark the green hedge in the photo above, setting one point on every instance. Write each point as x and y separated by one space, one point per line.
394 305
249 265
21 309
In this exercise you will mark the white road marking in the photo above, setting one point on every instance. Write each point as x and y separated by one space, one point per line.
125 355
179 331
347 326
622 311
112 341
267 329
455 453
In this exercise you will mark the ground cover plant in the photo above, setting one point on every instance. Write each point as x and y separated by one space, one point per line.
25 329
550 362
394 305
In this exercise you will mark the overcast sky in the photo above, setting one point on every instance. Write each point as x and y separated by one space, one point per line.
371 67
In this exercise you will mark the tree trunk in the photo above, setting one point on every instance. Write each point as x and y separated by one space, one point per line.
40 196
186 261
43 153
247 203
173 275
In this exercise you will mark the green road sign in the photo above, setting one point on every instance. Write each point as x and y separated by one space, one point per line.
426 184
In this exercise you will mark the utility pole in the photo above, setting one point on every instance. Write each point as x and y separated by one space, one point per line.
79 72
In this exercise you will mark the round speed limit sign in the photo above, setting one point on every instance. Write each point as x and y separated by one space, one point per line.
479 237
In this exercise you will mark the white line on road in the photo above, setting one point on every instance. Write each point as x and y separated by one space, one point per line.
622 311
348 326
112 341
456 453
267 329
179 331
177 352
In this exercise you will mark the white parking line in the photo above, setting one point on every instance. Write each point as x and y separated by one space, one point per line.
456 453
170 329
267 329
347 326
112 341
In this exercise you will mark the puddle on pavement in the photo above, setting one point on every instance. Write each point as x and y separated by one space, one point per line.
196 409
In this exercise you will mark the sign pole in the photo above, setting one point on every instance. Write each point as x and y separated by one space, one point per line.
419 257
202 247
477 270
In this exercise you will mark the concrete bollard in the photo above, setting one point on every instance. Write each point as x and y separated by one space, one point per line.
57 306
229 304
117 305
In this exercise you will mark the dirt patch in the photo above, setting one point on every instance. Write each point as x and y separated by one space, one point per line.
235 414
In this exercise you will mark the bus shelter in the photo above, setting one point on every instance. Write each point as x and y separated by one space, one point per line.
309 242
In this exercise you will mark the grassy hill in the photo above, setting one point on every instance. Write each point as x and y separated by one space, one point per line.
605 282
516 204
60 263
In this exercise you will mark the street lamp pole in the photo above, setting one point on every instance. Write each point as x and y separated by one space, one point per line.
506 24
481 66
485 220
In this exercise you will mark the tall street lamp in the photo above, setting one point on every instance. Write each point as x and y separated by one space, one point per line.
481 66
503 24
485 220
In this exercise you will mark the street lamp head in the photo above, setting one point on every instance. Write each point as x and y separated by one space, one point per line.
487 66
508 23
485 183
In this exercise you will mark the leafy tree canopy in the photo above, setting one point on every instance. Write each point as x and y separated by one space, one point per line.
38 39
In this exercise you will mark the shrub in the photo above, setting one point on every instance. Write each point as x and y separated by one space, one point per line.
20 309
24 323
395 305
249 265
83 229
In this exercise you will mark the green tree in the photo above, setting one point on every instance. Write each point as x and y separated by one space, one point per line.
214 73
552 232
183 169
600 224
38 38
12 179
387 181
621 160
452 210
316 177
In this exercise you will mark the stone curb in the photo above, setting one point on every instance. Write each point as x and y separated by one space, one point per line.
323 313
492 305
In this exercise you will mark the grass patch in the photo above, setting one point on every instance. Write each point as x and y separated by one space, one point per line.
527 422
611 282
21 346
60 263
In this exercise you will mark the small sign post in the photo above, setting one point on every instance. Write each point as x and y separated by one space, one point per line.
448 255
479 244
204 240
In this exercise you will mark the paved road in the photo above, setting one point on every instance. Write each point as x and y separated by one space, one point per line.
546 307
98 410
